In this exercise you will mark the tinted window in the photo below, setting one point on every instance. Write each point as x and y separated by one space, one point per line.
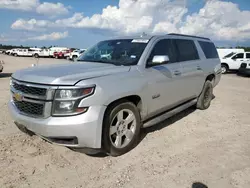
238 56
209 49
248 55
117 52
186 50
163 47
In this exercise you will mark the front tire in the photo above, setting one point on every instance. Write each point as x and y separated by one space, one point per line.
121 128
206 96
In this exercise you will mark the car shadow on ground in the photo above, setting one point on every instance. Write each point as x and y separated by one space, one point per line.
166 122
5 75
199 185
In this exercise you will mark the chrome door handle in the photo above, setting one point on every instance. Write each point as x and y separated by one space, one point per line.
177 73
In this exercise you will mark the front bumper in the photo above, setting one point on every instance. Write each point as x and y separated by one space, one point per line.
86 128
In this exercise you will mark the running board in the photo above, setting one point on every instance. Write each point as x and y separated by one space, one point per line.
169 114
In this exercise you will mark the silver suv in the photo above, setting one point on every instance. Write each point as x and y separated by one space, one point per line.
102 102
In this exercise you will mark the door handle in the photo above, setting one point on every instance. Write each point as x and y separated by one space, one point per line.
177 73
198 68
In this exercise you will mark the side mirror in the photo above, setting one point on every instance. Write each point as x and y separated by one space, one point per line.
160 59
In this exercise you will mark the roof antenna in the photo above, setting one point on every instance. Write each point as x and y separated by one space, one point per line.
143 34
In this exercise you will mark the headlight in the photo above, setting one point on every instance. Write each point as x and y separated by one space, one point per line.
67 100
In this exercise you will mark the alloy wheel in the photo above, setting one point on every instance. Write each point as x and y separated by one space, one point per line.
122 128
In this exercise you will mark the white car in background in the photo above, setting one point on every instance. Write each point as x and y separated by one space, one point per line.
13 51
42 53
76 53
24 52
7 52
233 61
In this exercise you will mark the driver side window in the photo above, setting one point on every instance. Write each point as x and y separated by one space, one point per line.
238 56
163 47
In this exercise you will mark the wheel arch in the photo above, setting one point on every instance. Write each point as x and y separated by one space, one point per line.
135 99
210 77
223 63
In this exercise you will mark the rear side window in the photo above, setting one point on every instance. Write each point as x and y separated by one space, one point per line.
209 49
186 50
248 55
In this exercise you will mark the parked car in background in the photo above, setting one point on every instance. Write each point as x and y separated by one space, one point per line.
76 53
60 55
24 52
8 52
42 53
225 51
244 68
13 51
103 103
56 49
233 61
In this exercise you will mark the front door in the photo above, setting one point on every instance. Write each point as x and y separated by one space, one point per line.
164 80
236 60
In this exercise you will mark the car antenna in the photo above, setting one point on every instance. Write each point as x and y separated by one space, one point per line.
143 34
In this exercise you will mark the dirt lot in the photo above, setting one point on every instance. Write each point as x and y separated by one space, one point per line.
211 147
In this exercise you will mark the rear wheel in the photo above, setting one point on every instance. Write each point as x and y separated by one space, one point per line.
15 55
121 128
224 68
206 96
36 56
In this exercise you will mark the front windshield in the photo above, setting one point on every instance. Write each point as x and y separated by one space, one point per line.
229 55
117 52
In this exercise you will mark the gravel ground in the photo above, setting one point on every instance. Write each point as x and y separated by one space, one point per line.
210 147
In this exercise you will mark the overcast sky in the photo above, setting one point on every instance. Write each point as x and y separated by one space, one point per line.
81 23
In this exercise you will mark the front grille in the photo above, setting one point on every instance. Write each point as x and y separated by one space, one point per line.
33 109
29 90
243 65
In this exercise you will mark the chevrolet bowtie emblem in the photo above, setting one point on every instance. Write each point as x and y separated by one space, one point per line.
18 97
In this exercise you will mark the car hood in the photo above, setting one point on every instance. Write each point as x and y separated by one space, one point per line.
67 74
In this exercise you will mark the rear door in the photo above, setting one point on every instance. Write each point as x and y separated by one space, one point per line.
164 85
192 73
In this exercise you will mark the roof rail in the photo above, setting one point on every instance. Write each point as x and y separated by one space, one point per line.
176 34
